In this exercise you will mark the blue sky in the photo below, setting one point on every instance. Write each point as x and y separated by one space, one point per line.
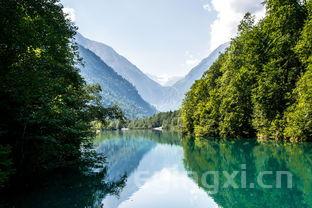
162 37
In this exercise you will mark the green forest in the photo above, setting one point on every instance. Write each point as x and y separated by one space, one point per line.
167 120
262 85
46 107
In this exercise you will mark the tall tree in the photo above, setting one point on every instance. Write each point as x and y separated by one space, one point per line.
45 106
237 82
281 26
299 115
256 77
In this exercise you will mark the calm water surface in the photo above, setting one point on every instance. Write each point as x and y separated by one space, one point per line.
157 170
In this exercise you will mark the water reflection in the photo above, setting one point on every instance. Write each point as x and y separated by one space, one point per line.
208 155
159 180
159 169
67 189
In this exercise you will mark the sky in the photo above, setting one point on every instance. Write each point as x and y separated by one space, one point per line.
165 38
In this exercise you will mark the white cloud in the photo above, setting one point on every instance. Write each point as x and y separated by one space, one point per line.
71 13
208 7
229 15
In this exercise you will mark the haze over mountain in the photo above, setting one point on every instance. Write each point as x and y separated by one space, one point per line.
163 98
197 72
115 89
165 81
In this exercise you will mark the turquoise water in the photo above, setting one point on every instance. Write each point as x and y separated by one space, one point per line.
147 169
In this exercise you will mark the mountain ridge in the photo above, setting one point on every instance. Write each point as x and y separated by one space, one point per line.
115 89
163 98
196 72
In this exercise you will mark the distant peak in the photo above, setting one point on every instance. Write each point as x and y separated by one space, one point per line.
165 81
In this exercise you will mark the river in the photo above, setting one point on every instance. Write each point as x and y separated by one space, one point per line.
152 169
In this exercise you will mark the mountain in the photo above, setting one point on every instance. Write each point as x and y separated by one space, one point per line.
164 81
115 89
123 155
164 98
197 72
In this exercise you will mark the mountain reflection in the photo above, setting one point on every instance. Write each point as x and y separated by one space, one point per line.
172 172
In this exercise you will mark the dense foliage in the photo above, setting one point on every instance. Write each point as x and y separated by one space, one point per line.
166 120
45 106
262 84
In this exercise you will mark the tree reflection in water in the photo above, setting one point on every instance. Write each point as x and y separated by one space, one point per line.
202 155
70 188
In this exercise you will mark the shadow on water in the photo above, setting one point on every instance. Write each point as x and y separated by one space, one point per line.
70 188
202 155
186 161
73 188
